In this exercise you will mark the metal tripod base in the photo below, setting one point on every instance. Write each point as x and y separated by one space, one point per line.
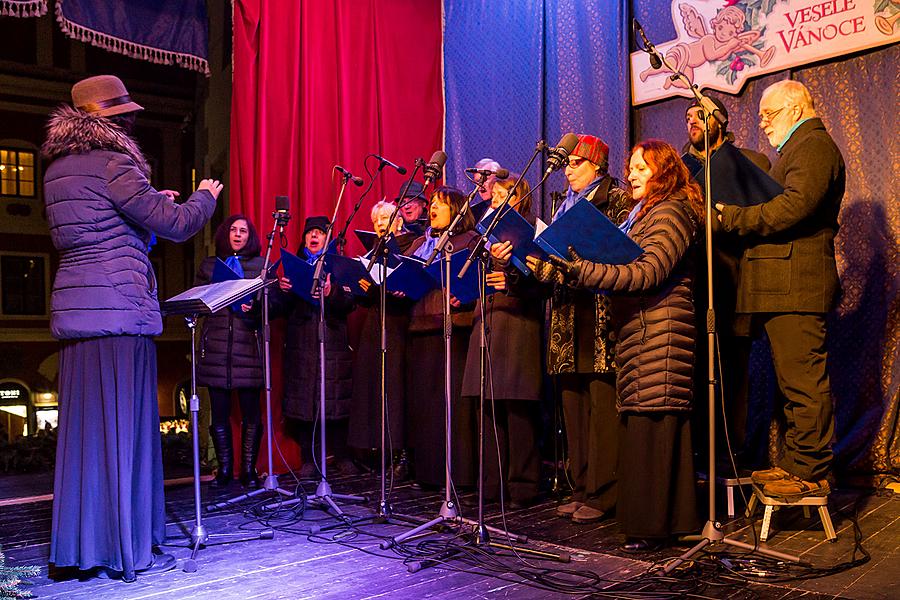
323 496
481 535
269 485
712 535
201 538
447 513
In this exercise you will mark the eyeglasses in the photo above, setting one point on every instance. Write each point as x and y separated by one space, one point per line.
766 116
575 162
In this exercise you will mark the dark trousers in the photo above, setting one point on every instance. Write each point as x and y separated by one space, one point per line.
799 355
220 403
515 422
592 434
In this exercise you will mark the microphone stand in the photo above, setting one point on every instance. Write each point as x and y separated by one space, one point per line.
342 236
271 482
381 242
324 496
557 397
448 510
711 532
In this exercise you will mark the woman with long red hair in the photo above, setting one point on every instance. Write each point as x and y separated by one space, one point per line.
652 306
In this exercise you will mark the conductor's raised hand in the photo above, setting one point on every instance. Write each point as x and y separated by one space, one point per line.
213 186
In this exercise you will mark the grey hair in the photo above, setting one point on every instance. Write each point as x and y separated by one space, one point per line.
382 206
793 92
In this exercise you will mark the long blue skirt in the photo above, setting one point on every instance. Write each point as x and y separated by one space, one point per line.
108 505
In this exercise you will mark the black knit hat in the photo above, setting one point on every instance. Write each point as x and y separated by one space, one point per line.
315 223
715 101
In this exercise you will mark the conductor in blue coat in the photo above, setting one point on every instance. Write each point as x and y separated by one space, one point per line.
108 507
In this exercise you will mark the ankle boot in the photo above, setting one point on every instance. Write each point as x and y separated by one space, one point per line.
221 439
251 436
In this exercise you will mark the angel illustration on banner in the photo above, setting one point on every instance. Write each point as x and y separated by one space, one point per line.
727 37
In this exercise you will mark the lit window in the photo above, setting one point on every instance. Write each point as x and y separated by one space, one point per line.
17 173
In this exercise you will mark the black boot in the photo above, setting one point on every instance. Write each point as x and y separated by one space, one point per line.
221 439
251 436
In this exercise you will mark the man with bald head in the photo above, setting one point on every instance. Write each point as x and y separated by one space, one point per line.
789 280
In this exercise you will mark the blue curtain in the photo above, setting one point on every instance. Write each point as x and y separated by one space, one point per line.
517 72
160 31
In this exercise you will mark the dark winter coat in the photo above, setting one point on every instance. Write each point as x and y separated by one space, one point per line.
101 210
428 312
653 310
301 355
515 321
581 334
230 342
789 263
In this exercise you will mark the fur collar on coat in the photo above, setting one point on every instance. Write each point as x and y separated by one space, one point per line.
73 131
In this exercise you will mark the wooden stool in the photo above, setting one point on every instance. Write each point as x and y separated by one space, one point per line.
730 483
773 504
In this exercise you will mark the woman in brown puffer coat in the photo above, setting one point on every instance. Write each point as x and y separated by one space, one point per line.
654 315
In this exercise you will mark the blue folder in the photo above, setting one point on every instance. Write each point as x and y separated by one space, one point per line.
479 209
734 178
513 227
301 274
592 235
395 244
347 272
466 288
410 278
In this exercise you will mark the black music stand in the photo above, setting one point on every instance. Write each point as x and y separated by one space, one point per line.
206 300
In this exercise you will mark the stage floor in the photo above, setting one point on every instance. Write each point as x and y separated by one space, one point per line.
347 563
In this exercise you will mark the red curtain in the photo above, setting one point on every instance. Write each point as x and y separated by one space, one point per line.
322 83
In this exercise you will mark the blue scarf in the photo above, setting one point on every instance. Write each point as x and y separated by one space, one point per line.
572 197
425 250
632 217
310 257
234 262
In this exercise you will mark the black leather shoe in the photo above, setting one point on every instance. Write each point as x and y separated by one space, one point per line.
160 563
642 545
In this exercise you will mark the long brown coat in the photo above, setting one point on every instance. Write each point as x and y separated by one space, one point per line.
654 311
514 326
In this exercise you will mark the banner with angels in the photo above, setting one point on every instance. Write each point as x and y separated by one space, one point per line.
721 44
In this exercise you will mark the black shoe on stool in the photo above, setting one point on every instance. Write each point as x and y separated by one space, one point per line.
642 545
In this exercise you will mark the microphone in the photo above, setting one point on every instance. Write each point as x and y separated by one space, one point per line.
384 161
282 212
357 181
435 166
655 60
559 154
498 174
